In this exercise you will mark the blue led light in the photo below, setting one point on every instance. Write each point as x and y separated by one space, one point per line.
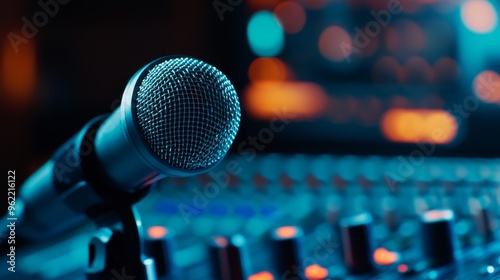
218 209
268 211
245 211
166 206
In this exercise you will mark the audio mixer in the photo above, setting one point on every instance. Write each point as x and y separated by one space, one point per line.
316 217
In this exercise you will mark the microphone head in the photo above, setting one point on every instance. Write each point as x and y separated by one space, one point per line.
187 112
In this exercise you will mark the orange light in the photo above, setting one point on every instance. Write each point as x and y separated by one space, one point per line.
382 256
487 86
291 15
221 241
316 272
157 232
286 232
18 72
263 275
297 100
479 16
335 43
402 268
419 125
438 215
266 68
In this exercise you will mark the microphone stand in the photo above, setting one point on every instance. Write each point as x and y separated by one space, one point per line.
117 249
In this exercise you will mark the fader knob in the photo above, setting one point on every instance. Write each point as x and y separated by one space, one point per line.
161 245
439 242
287 241
358 243
230 257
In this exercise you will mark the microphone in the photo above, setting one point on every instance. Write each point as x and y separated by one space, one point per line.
178 117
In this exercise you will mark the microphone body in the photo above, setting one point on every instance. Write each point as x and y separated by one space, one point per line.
115 159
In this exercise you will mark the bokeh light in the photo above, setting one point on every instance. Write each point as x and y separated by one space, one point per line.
316 272
335 43
267 69
417 70
446 69
419 125
301 99
263 275
291 15
479 16
265 34
157 232
486 86
404 37
382 256
18 73
261 4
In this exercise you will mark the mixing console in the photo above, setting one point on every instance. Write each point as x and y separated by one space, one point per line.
311 217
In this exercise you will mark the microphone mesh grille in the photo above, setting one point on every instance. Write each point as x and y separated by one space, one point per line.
188 112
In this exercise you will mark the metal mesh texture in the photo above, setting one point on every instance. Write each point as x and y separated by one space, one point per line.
188 112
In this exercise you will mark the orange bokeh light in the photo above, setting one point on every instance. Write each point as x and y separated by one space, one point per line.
286 232
18 72
419 125
263 275
382 256
157 232
267 68
291 16
299 100
335 43
487 86
316 272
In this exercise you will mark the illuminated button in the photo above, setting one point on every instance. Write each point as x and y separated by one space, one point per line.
405 269
487 270
287 243
229 256
382 256
358 243
263 275
439 242
316 272
157 232
286 232
161 246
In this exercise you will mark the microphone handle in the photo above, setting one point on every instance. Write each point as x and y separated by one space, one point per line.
57 196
